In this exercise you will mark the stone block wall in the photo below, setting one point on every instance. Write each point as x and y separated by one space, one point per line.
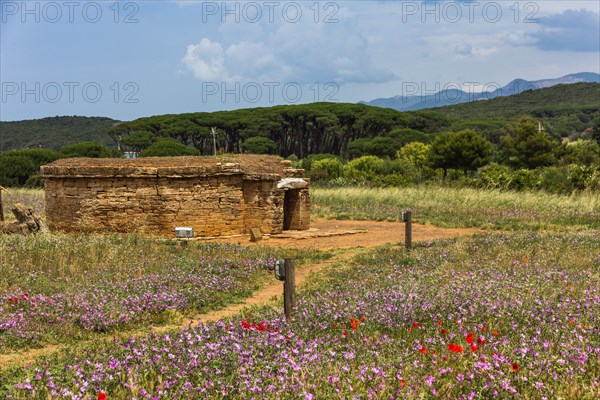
215 201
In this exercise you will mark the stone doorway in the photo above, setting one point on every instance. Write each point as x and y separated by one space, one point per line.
291 209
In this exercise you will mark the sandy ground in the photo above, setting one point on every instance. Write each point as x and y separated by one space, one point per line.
352 236
328 234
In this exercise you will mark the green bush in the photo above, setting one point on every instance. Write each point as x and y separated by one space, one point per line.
306 163
494 176
18 166
89 149
15 169
555 180
326 169
523 179
363 169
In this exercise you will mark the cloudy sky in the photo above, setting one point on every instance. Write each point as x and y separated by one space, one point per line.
130 59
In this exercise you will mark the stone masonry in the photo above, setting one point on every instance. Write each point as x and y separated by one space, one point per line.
217 196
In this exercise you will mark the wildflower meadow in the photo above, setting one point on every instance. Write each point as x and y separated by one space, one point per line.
513 314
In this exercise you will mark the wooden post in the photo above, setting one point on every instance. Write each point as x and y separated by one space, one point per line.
408 230
1 209
289 288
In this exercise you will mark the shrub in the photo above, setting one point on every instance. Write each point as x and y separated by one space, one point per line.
17 166
363 169
307 162
326 169
494 176
15 169
89 149
555 179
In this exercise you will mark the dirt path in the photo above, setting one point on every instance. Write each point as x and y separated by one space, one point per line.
365 234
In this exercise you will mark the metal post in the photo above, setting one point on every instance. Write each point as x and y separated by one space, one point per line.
408 230
213 132
289 288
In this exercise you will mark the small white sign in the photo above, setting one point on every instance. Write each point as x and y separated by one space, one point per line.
184 232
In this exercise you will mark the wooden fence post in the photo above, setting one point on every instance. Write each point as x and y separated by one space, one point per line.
1 209
289 288
408 230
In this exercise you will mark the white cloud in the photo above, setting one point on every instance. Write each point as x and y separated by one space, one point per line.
302 52
205 60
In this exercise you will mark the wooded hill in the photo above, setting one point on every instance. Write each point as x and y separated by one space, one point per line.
563 108
55 132
314 128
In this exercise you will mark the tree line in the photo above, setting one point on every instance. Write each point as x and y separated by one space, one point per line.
409 144
298 130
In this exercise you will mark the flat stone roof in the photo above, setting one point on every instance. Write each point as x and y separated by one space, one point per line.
252 165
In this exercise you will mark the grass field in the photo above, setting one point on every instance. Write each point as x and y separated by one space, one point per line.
466 208
30 197
512 314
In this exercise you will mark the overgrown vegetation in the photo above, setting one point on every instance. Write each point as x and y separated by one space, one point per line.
58 288
461 207
494 316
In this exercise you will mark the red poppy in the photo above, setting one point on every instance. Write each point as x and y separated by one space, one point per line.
455 348
474 348
439 322
344 334
483 329
335 324
363 318
443 331
415 325
514 367
481 341
423 350
102 396
402 383
353 327
470 338
245 325
495 333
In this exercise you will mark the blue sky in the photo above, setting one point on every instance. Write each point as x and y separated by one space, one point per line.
130 59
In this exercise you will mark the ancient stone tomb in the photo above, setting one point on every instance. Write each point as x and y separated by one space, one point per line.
217 196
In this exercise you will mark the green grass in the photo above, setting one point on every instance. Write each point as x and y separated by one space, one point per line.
30 197
461 207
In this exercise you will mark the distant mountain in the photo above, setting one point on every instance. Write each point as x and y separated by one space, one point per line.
456 96
578 101
55 132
